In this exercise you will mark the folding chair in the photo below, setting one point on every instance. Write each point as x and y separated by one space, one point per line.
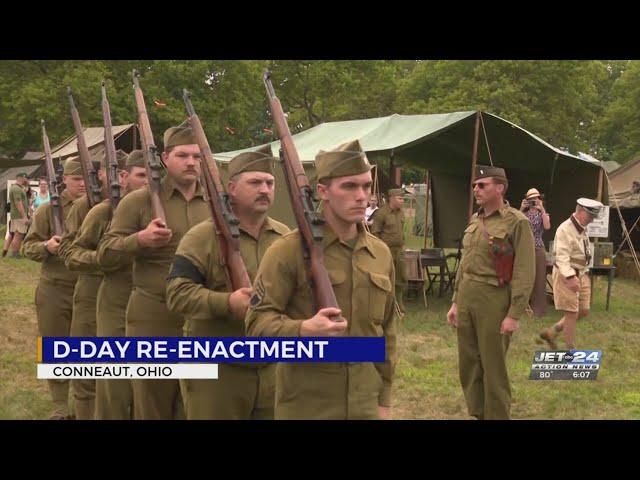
415 273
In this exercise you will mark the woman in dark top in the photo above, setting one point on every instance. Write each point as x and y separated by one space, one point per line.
533 209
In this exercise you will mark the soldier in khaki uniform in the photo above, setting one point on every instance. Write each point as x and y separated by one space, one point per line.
19 223
79 258
486 305
54 293
360 267
570 277
114 398
135 236
197 289
388 226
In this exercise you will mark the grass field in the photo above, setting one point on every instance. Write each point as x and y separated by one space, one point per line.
426 385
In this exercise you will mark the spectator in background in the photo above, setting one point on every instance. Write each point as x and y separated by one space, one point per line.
533 208
42 196
373 206
19 200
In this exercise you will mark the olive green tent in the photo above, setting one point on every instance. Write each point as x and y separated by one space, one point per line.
444 145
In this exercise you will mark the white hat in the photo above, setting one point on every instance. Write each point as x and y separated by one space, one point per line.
593 207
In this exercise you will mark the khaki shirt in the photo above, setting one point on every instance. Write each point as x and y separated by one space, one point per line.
363 280
18 195
204 302
80 245
571 248
41 230
388 226
119 247
506 224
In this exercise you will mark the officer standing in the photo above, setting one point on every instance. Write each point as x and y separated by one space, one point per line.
492 289
197 289
388 226
360 268
570 277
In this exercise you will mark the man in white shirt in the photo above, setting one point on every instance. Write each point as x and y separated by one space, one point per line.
571 284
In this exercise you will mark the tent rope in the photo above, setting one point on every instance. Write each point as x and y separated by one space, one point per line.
625 232
624 240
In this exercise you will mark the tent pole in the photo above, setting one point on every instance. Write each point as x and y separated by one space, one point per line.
426 209
553 171
600 183
474 160
391 170
597 240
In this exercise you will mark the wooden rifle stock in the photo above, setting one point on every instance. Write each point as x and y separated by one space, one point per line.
152 162
225 221
309 223
54 197
110 158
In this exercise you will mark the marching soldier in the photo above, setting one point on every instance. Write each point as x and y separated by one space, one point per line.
54 294
570 277
360 267
197 289
114 398
492 289
81 256
136 237
82 259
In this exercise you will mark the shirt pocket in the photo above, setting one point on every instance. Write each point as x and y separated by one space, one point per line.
500 240
379 291
469 232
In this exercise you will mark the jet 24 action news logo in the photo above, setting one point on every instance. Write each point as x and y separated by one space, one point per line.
566 365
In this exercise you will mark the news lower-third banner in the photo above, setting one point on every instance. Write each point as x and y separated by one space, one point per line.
209 349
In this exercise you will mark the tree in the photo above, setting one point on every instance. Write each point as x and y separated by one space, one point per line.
619 127
226 94
313 92
553 99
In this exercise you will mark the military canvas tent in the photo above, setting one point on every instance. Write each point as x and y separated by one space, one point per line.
33 162
443 144
625 194
622 179
124 137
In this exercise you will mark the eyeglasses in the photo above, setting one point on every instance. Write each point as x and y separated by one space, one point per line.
481 185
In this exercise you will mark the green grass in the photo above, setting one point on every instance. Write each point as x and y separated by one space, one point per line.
426 384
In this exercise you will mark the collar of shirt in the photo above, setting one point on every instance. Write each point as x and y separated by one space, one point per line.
502 211
363 239
169 187
267 225
576 223
65 198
